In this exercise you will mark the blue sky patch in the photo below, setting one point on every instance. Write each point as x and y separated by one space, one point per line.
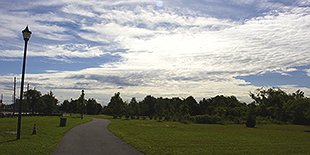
298 78
37 65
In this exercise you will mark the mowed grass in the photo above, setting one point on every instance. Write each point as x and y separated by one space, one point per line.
48 135
152 137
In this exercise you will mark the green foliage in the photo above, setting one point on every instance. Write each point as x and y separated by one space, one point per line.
116 106
32 100
49 103
193 107
279 106
92 107
298 111
206 119
35 103
251 119
81 106
133 107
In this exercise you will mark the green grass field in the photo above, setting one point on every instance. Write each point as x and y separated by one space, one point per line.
46 140
152 137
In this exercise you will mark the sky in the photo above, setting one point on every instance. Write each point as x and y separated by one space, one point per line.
169 48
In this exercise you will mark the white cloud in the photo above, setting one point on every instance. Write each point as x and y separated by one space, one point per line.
64 51
308 71
168 51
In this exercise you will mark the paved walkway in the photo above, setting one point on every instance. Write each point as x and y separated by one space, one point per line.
93 138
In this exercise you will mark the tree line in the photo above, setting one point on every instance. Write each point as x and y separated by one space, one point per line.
269 105
36 103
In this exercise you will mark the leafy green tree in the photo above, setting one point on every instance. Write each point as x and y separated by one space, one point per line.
49 103
251 120
133 107
92 107
271 102
298 111
81 103
65 106
32 96
148 105
116 105
193 105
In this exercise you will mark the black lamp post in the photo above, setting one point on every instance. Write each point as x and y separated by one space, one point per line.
26 36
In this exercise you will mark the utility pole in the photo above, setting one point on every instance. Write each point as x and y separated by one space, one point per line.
14 96
1 100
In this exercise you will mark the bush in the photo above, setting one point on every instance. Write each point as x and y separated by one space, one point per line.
167 118
251 121
127 117
206 119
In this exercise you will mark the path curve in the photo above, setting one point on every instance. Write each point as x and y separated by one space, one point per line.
93 138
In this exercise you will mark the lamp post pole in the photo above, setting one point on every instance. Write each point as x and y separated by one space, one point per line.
26 36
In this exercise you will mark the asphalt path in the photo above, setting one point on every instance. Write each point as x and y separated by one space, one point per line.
93 138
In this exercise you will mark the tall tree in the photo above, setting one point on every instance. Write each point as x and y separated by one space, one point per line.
32 96
193 105
82 102
148 105
92 107
133 107
116 105
49 102
271 102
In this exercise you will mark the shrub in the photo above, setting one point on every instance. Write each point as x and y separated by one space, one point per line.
206 119
127 117
251 121
167 118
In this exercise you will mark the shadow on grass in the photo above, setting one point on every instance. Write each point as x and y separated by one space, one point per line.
8 141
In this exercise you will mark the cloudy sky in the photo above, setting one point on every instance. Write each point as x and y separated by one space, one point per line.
163 48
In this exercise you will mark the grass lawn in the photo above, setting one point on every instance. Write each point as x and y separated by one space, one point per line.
46 140
152 137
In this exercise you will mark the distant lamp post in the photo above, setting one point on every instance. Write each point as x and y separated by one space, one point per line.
26 36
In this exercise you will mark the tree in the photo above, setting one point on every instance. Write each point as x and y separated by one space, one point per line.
148 105
116 105
92 107
298 94
298 111
251 119
193 105
81 103
65 106
271 102
32 96
49 103
133 107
